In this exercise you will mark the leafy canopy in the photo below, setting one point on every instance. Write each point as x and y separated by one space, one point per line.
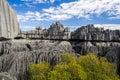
88 67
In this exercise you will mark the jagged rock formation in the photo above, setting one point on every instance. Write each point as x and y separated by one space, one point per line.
56 31
9 27
84 33
15 55
90 32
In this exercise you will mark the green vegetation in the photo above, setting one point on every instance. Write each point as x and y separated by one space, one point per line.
88 67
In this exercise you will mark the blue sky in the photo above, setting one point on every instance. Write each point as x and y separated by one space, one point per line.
71 13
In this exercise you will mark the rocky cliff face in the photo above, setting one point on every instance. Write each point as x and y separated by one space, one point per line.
9 26
92 33
15 55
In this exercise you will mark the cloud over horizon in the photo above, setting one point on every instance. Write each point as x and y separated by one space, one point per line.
109 26
80 9
38 1
72 28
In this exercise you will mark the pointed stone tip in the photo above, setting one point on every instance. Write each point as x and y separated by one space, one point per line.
90 25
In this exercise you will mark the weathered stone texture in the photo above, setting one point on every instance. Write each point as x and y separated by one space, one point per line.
56 31
6 76
15 55
9 26
90 32
86 33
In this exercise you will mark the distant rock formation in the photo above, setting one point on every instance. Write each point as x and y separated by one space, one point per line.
9 27
56 31
90 32
84 33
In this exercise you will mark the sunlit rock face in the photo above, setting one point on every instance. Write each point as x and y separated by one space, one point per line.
9 26
91 32
56 31
15 56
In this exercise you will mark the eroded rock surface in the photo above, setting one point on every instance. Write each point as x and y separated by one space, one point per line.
56 31
9 26
6 76
15 55
93 33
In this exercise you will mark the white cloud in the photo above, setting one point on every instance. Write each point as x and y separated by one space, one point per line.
86 8
105 26
30 16
14 5
109 26
79 9
52 1
29 5
115 17
57 17
39 1
26 28
17 5
37 16
72 28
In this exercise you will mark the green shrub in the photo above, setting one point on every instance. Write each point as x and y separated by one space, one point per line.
87 67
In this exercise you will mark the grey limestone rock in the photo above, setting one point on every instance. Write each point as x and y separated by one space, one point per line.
90 32
6 76
56 31
9 27
16 55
